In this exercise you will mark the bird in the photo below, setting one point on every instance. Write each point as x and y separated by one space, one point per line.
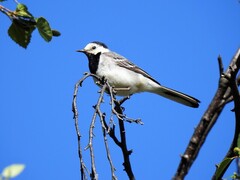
127 78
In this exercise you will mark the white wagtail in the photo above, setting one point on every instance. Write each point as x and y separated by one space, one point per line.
125 77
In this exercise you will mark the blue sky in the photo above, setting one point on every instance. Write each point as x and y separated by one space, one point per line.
177 42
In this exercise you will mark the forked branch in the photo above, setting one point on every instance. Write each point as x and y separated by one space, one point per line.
209 118
107 128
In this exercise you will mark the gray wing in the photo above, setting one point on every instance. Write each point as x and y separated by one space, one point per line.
123 62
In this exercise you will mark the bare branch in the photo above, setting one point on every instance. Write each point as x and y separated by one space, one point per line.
236 99
228 95
104 129
6 11
16 1
118 111
238 166
111 132
220 65
94 174
126 153
83 168
110 129
113 101
208 119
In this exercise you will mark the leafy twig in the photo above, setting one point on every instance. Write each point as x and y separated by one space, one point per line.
24 23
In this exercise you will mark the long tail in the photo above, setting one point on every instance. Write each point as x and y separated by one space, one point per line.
177 96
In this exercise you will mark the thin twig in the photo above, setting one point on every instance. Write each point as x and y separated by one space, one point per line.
113 101
94 174
6 11
126 153
208 119
228 95
111 132
238 166
117 110
83 168
16 1
104 129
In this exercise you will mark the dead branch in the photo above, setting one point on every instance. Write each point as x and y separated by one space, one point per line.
236 99
107 148
209 118
83 168
123 145
94 174
107 128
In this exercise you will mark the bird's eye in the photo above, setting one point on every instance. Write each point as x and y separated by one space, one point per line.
94 47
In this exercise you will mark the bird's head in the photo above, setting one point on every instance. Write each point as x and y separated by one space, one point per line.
94 48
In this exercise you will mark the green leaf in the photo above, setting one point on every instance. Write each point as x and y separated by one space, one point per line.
21 7
55 33
44 29
21 35
22 10
236 151
222 166
13 170
235 176
2 0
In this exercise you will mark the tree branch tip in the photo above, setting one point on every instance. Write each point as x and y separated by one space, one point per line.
130 120
124 99
130 152
87 147
139 121
220 64
123 109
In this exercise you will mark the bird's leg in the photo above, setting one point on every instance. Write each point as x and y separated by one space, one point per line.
121 89
99 82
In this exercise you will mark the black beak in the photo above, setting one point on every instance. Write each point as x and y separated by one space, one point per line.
81 50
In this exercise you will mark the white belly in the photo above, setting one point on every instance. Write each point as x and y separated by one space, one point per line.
128 81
